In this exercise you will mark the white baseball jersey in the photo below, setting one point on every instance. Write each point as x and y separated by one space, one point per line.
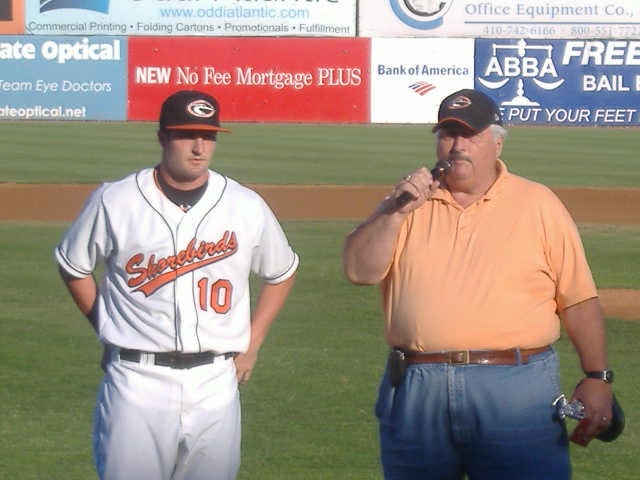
174 280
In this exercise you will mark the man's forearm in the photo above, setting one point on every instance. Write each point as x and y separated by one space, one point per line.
584 325
84 292
270 301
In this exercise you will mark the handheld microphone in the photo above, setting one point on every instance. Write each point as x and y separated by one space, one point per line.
441 168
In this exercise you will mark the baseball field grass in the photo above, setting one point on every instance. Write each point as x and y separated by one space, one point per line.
41 152
308 409
307 412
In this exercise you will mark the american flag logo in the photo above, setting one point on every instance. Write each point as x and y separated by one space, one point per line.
422 87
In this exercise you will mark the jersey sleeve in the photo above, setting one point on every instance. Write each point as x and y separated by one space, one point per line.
86 243
273 258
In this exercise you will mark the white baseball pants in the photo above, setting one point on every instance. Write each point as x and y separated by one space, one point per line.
160 423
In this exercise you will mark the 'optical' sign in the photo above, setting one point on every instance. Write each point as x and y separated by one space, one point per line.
60 51
63 78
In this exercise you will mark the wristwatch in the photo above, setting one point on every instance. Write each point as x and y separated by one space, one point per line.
604 375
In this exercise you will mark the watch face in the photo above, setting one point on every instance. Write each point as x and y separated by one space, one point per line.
608 376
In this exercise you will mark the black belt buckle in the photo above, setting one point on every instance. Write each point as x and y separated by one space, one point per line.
397 365
176 360
182 361
130 355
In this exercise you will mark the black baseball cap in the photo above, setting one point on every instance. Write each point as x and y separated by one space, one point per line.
191 110
470 108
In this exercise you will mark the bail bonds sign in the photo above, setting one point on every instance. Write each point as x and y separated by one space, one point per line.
561 82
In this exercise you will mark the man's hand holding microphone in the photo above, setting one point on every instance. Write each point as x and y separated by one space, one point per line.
419 185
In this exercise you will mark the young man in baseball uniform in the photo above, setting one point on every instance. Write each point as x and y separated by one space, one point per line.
178 243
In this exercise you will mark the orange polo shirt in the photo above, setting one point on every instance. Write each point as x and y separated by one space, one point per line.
489 276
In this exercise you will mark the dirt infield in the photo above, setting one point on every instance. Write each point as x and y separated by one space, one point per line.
24 202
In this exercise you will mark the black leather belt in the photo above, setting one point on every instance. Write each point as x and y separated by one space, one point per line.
178 360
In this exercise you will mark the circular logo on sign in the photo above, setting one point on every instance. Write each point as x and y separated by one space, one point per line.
421 14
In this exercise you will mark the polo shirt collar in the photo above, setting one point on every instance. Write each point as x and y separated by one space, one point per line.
498 185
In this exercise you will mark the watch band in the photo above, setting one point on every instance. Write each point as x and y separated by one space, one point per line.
604 375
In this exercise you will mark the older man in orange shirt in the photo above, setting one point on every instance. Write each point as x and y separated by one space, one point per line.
478 269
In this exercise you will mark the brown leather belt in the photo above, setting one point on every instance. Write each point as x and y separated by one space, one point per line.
514 356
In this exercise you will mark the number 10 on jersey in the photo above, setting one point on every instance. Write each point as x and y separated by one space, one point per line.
217 296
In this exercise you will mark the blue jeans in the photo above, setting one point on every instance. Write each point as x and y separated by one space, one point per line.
490 422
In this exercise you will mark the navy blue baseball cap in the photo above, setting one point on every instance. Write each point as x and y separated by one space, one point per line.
191 110
470 108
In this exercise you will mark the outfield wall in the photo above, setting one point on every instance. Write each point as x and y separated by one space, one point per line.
570 63
541 19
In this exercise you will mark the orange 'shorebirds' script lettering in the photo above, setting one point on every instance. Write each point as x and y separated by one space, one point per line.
149 276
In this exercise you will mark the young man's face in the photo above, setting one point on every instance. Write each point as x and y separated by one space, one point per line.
186 155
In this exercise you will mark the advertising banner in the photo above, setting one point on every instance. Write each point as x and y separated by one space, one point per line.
500 18
63 78
410 76
255 79
249 18
11 16
562 82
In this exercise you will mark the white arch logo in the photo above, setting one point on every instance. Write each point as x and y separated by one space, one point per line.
521 62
